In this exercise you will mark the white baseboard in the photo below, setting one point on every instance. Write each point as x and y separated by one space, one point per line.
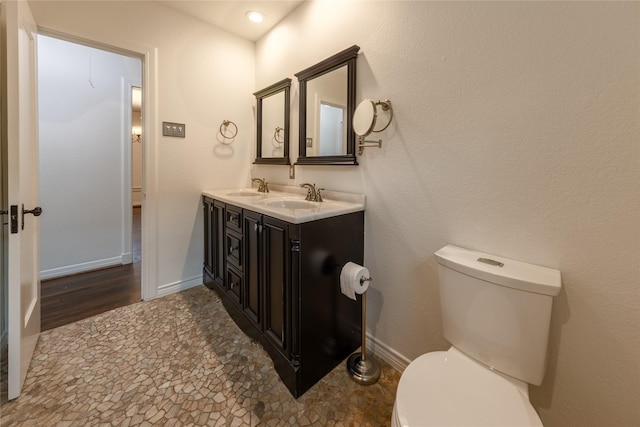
181 285
386 353
80 268
127 258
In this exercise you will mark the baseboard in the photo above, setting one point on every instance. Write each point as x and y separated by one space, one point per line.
386 353
181 285
127 258
80 268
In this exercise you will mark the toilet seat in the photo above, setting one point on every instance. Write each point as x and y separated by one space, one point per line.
451 389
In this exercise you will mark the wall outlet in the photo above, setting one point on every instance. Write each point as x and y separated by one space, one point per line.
174 129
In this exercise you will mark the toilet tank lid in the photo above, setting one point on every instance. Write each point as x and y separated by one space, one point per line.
511 273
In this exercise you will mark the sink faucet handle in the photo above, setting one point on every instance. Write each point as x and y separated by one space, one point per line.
311 191
262 185
319 195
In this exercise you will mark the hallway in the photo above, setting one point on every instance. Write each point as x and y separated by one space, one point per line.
72 298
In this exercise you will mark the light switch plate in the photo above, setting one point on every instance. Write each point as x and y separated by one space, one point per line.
174 129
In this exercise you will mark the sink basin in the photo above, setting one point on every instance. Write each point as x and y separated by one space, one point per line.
244 193
290 204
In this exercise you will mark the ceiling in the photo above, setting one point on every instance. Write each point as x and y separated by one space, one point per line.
230 14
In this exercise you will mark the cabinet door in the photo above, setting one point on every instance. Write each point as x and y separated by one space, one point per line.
217 242
213 241
207 205
277 305
252 272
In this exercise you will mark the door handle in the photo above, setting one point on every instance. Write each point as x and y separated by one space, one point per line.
37 211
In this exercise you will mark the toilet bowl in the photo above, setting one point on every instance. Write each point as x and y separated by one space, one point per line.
496 314
448 388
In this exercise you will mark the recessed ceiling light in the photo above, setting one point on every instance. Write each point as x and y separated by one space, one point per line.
254 16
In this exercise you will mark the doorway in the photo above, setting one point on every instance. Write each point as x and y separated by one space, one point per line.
90 128
332 130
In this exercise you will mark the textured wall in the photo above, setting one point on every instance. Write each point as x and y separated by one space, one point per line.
516 133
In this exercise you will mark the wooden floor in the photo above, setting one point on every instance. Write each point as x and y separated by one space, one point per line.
71 298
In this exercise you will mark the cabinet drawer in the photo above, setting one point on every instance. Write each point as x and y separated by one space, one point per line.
234 250
234 290
234 218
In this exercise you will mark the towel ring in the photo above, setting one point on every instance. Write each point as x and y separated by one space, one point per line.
276 135
225 124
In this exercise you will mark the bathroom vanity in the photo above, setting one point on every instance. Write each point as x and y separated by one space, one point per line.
275 260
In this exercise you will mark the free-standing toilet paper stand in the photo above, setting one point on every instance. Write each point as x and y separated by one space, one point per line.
363 370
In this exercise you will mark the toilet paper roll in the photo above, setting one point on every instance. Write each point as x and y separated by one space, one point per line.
350 283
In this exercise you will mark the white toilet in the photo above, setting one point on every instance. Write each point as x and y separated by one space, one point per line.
496 314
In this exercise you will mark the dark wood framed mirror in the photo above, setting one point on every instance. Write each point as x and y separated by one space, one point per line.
327 102
272 133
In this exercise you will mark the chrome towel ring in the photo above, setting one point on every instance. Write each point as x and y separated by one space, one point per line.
225 124
276 136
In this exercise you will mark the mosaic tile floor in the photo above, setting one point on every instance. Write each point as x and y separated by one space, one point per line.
179 361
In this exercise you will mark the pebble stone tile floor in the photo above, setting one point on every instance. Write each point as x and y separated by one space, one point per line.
179 360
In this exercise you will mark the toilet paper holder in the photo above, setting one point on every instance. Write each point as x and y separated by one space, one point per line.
365 279
363 370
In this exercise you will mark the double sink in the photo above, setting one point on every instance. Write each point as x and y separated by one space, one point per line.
288 203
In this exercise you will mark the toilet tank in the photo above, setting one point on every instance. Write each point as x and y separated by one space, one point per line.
497 310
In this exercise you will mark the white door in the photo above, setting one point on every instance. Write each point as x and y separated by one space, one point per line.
22 172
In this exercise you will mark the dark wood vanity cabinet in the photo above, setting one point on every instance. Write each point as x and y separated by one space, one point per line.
282 287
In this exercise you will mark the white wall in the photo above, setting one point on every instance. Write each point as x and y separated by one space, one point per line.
202 76
82 155
515 133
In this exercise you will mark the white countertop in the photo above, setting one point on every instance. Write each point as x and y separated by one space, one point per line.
335 203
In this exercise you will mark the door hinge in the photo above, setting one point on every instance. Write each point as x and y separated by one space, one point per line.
295 245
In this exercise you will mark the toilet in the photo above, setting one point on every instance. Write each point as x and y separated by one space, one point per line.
496 314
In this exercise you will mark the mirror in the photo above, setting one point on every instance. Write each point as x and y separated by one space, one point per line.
327 101
272 136
364 122
364 118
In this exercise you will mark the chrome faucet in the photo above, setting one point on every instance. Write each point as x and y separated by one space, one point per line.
263 187
313 194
